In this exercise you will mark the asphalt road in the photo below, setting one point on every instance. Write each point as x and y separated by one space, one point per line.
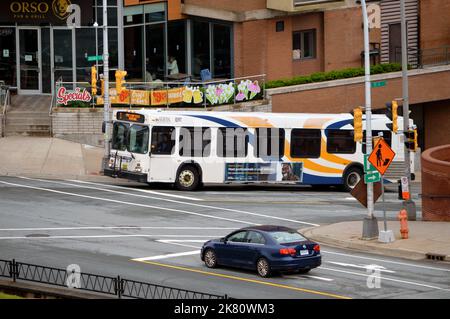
153 234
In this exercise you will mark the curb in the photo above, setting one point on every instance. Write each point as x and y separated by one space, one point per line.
338 243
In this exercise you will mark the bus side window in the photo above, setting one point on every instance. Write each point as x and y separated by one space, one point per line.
195 141
305 143
232 142
163 141
269 142
387 136
340 141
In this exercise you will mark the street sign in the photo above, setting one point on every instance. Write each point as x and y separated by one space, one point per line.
381 156
378 84
95 58
360 192
405 188
372 177
368 167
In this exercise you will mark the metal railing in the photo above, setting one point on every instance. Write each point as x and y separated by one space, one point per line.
115 286
5 100
183 93
434 56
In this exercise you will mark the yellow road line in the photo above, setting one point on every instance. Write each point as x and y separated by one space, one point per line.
244 279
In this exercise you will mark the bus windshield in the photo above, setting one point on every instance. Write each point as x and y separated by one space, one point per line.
134 138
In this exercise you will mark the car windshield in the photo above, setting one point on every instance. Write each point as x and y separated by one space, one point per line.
134 138
283 237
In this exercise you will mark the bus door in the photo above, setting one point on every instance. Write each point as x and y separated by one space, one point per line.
162 154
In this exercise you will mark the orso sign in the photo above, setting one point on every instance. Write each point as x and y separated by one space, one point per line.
55 12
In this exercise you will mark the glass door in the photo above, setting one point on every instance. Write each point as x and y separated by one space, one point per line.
29 60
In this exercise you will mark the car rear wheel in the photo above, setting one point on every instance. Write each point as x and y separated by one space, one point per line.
210 258
263 268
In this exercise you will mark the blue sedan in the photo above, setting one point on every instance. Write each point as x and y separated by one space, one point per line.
264 248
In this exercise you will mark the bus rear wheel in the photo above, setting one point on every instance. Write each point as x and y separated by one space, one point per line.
352 177
188 178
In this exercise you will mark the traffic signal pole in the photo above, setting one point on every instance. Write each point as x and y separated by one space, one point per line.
408 204
106 106
370 223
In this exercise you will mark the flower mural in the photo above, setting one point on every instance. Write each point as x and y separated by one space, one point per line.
219 94
247 90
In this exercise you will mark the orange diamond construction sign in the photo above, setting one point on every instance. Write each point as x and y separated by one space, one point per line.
381 156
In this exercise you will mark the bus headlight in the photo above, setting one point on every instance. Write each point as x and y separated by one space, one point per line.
138 168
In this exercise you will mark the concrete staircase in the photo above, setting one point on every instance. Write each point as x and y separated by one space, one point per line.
28 116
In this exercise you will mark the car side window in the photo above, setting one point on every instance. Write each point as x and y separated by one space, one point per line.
255 238
238 237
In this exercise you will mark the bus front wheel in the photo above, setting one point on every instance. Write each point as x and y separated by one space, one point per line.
188 178
352 177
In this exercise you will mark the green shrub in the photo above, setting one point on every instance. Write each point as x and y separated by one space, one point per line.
333 75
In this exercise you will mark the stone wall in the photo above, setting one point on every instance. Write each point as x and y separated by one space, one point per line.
436 184
78 125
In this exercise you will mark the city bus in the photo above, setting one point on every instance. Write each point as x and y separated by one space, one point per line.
193 148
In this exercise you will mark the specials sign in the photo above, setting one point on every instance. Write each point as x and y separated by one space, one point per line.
54 12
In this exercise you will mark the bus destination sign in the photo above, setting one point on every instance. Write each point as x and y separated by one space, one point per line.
130 117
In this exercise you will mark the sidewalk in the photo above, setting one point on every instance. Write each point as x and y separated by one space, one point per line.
49 158
424 238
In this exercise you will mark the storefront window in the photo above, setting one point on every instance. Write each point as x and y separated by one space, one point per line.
85 47
133 52
177 43
63 54
201 47
8 56
222 51
155 12
155 58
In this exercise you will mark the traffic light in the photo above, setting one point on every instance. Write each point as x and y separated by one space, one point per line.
411 139
120 81
357 124
94 80
392 114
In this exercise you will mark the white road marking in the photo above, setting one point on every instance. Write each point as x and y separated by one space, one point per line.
350 198
139 190
317 277
115 227
358 266
178 242
99 236
129 203
187 253
385 278
386 261
168 200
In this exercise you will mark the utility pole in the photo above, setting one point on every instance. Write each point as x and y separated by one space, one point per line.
106 106
408 204
370 223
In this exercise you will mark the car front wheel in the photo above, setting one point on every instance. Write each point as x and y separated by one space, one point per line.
263 268
210 258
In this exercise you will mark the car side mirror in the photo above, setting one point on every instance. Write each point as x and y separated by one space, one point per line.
223 240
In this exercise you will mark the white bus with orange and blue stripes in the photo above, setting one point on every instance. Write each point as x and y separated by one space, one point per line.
192 148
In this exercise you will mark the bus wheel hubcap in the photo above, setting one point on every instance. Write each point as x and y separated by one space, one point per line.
186 178
353 179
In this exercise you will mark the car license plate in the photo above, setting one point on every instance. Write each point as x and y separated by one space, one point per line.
304 252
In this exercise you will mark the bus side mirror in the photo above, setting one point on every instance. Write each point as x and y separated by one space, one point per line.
104 127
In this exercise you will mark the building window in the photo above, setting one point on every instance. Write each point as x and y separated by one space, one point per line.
279 26
305 143
304 45
340 142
